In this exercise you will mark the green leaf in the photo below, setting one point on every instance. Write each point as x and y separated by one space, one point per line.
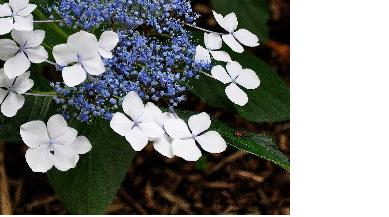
252 14
91 186
268 103
260 145
35 108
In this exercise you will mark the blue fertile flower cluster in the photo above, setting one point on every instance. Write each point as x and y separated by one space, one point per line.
160 14
155 55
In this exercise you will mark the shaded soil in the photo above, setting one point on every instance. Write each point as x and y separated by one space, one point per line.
229 183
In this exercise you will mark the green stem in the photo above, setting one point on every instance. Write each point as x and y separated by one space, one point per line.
52 26
49 94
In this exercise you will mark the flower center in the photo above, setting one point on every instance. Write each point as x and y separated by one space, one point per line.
51 146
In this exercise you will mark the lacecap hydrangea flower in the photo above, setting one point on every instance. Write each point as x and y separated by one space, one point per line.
155 55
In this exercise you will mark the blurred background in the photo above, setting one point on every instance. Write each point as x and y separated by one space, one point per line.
233 182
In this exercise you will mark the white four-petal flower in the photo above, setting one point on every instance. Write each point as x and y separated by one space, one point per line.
142 126
184 140
19 54
55 145
11 91
230 24
236 75
16 15
213 42
108 41
79 57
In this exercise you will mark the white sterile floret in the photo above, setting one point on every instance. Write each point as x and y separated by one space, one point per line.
16 15
184 140
53 145
236 75
142 126
79 57
213 42
230 24
11 91
108 41
19 54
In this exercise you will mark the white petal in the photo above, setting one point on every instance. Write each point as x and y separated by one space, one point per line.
37 54
64 54
212 41
137 139
212 142
105 54
24 23
94 66
12 103
86 44
121 124
220 74
39 159
108 41
4 80
73 75
234 69
202 55
68 137
177 129
6 25
8 48
236 95
232 43
247 38
57 126
36 38
133 105
27 10
149 113
18 5
64 158
199 123
3 94
229 22
16 65
221 56
248 79
151 129
186 149
21 37
81 145
158 116
5 10
34 134
164 146
23 83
